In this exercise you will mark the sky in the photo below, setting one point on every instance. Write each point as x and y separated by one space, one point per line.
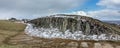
30 9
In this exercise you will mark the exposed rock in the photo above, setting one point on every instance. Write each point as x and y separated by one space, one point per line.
84 45
72 45
87 30
91 28
107 46
97 45
74 23
117 46
63 43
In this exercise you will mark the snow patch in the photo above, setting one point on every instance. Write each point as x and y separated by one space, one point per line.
55 33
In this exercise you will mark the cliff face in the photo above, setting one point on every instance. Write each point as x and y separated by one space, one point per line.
75 23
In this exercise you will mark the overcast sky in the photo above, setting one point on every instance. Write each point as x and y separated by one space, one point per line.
100 9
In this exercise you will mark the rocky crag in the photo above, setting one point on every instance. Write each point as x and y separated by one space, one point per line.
72 27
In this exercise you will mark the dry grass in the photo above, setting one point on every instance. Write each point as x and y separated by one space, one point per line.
10 26
7 30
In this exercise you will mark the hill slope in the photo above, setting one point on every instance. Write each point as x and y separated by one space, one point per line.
74 24
13 37
8 30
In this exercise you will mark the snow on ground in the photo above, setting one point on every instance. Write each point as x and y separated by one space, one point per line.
55 33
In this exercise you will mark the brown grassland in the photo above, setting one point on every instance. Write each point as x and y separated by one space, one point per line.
7 30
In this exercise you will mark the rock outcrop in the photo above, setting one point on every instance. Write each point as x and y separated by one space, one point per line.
75 23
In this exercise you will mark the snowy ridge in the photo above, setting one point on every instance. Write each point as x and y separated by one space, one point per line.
55 33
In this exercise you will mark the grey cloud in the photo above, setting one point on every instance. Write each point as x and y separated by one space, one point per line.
105 14
37 7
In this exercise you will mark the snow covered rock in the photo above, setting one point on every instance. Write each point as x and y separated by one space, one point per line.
73 27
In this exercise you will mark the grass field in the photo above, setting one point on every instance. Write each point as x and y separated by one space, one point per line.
7 30
10 26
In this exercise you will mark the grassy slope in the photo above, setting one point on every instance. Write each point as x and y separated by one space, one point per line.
10 26
7 30
10 30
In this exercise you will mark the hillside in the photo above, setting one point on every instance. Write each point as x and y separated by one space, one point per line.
73 27
12 36
8 30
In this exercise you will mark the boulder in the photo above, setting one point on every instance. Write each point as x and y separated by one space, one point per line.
84 45
72 45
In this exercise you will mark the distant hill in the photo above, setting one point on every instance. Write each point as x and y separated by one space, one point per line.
115 22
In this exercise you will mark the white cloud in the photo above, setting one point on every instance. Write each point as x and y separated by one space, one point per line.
111 11
80 13
114 4
104 14
16 8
